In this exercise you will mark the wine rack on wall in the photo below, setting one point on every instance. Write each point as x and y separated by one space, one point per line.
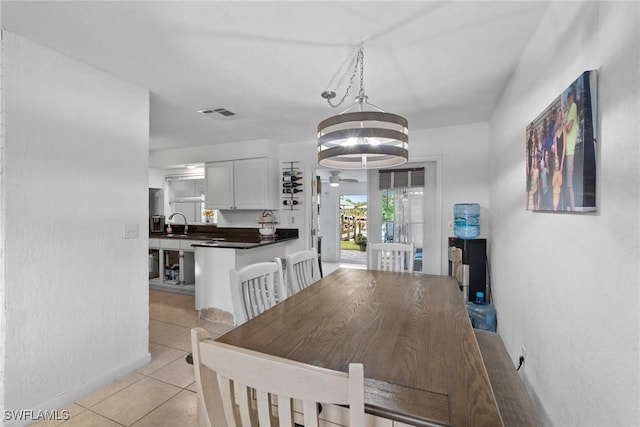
291 186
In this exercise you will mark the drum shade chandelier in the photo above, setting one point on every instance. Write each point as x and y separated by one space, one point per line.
362 139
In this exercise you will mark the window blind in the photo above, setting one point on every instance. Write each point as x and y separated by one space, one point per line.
401 178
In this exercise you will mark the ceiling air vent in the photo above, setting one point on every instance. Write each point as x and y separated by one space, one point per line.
219 112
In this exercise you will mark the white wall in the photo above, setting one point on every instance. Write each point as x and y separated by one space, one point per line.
566 285
76 291
3 320
463 154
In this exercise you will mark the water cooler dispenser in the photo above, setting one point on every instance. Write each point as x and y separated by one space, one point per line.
468 264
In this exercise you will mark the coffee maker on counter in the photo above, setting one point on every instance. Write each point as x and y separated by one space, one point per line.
156 223
468 264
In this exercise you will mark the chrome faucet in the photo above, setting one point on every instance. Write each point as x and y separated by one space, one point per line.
186 226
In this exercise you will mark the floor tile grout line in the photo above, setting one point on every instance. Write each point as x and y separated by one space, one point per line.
101 415
112 394
181 388
174 324
171 361
111 419
147 413
166 382
172 396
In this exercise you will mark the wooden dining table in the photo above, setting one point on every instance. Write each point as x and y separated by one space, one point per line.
422 363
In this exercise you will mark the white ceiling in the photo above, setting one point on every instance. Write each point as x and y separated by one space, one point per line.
436 63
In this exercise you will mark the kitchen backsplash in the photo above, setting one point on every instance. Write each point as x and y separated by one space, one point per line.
250 218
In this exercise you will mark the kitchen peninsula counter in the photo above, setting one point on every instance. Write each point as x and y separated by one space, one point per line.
214 258
234 238
240 244
221 241
206 255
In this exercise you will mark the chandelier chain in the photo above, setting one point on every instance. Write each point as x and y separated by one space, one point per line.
359 62
348 63
361 58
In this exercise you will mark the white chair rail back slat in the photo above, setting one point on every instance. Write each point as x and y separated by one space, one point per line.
302 270
391 257
253 289
282 288
236 373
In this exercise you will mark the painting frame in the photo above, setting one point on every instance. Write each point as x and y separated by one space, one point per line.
562 152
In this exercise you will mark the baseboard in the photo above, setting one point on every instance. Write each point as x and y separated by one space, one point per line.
65 399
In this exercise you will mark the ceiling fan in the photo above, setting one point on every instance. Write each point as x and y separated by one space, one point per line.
335 180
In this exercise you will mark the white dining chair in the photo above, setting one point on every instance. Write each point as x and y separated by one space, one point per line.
256 288
302 270
391 256
227 378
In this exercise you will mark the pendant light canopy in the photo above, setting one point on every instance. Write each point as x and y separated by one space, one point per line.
369 139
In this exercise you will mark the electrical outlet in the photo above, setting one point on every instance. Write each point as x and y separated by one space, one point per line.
523 352
130 231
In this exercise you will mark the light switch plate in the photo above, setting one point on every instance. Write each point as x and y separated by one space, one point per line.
130 231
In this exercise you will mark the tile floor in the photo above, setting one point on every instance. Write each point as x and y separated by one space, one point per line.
162 393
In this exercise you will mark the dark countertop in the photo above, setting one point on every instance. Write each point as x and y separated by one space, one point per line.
228 238
224 244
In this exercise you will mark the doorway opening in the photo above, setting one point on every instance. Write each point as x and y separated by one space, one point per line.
353 228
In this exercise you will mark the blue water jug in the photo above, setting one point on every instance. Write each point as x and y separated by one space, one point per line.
481 313
466 220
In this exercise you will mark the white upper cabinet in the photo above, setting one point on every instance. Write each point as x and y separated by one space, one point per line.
219 181
242 184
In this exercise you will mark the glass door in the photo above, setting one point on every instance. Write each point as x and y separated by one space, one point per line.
403 219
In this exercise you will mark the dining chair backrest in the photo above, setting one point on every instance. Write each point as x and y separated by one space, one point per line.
227 378
391 256
254 289
302 270
281 289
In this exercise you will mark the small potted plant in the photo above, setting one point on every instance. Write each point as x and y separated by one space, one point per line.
208 215
361 241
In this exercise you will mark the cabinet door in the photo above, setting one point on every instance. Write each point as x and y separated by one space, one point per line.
219 181
251 183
